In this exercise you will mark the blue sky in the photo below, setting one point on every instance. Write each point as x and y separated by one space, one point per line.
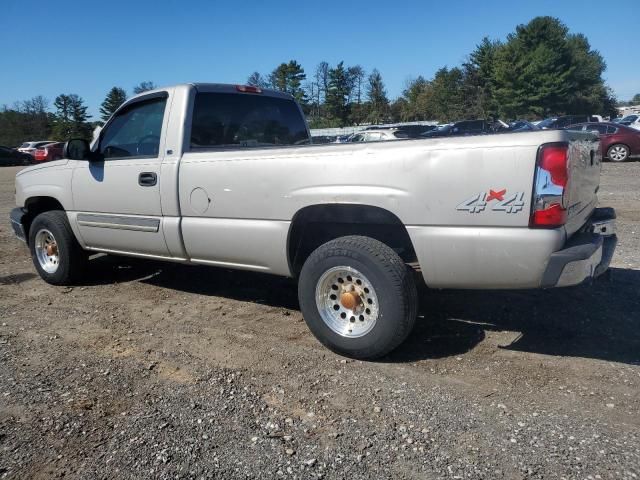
52 47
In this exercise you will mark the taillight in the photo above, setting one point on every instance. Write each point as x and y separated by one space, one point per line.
248 89
552 176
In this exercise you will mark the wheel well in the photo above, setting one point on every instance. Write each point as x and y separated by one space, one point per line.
34 206
317 224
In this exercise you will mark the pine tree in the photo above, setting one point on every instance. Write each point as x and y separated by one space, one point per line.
288 77
337 95
113 100
378 101
71 118
478 88
534 72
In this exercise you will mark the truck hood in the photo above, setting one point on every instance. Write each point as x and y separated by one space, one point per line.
40 166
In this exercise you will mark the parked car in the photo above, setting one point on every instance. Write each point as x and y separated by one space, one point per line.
209 181
521 126
566 120
320 139
51 151
618 142
378 135
10 156
31 147
632 121
415 131
466 127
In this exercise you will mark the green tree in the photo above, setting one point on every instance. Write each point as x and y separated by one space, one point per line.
415 102
636 99
288 77
144 87
444 97
543 70
26 120
71 118
377 96
337 96
478 89
116 97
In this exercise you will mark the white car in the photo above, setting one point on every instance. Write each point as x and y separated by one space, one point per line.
31 147
632 121
378 135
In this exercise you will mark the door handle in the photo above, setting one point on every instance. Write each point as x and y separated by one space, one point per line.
147 179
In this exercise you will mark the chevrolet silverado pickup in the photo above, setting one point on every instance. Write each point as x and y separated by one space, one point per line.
225 175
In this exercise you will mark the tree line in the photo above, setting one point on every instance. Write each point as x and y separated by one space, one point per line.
32 119
541 69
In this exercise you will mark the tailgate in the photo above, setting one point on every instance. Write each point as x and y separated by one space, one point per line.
585 163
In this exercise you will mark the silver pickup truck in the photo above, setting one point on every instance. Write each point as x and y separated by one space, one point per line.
225 175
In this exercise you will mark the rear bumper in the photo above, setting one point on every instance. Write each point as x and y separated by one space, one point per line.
586 255
16 216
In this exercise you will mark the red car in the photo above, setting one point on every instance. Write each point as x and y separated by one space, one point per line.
618 142
46 153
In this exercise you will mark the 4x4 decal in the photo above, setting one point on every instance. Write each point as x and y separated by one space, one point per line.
480 202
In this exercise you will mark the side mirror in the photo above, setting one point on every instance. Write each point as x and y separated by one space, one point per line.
76 149
79 149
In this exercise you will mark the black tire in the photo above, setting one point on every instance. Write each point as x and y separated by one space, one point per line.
392 281
618 153
72 259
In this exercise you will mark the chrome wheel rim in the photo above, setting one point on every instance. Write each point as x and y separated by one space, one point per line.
46 249
347 302
618 153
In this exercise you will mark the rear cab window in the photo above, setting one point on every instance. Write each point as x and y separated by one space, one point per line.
223 120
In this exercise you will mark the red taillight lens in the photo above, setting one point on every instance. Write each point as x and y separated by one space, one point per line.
552 177
248 89
553 216
553 159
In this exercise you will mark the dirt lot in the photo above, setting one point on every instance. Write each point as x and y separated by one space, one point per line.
154 370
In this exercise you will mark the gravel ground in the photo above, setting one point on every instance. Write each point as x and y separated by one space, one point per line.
153 370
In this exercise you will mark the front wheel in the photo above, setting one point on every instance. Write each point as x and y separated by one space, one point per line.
358 297
618 152
56 254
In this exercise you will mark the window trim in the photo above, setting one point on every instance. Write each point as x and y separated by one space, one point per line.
141 99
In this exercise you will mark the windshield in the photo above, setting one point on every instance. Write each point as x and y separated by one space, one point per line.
25 145
630 118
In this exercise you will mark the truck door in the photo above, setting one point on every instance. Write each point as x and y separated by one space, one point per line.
117 199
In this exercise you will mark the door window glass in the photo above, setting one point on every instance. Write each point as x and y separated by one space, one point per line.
134 131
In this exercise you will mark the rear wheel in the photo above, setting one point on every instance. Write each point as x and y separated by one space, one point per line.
618 152
358 297
56 254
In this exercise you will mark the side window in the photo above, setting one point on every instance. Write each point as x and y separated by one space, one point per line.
358 138
134 131
246 120
611 129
